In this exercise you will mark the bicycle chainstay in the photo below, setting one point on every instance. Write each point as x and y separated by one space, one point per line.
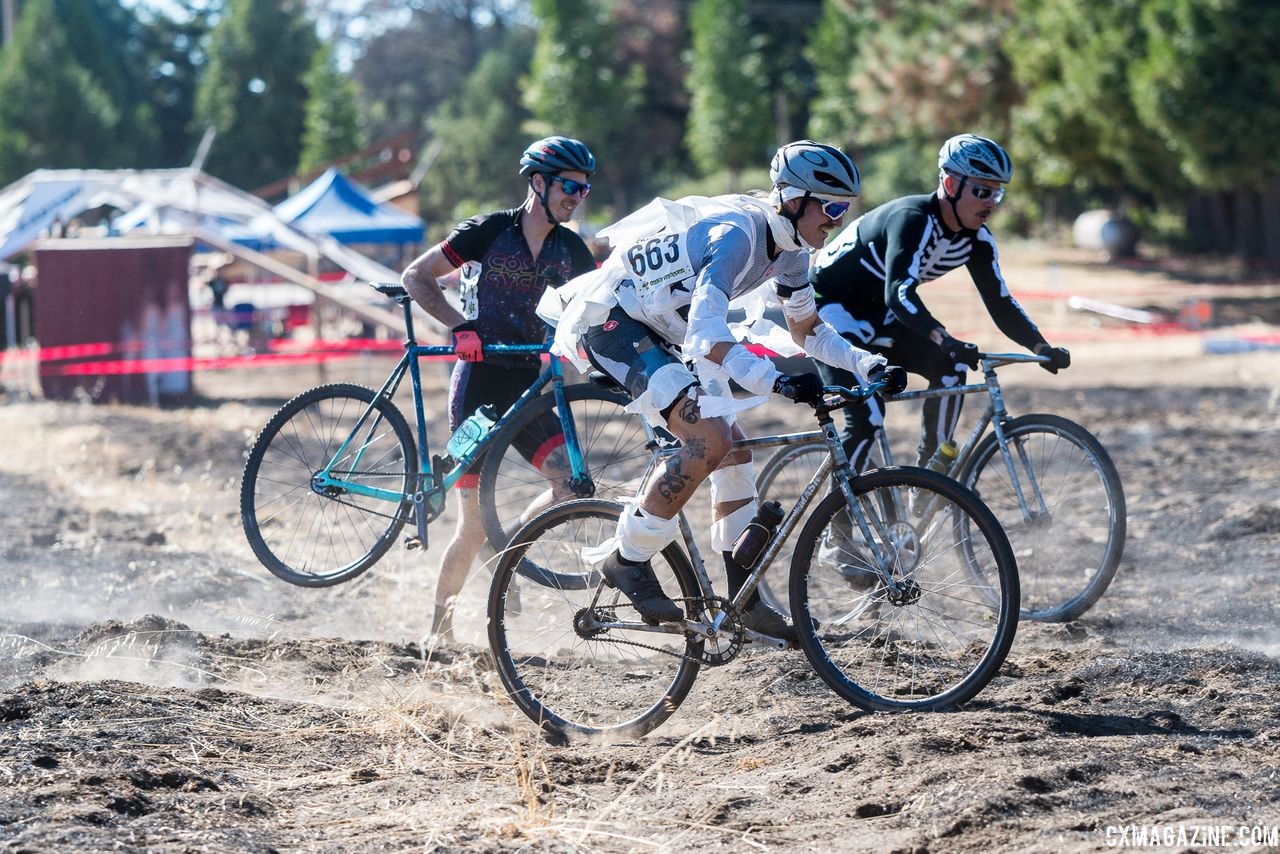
408 519
733 631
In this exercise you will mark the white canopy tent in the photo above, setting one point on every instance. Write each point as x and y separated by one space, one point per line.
182 201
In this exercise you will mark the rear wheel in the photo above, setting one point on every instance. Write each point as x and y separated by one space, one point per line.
581 663
912 628
317 537
613 445
1069 547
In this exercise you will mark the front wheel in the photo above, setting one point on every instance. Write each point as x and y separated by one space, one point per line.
902 621
581 663
1068 528
513 488
318 537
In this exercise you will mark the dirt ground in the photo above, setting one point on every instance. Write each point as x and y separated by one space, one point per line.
160 691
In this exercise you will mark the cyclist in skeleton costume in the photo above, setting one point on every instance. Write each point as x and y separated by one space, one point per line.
662 298
866 280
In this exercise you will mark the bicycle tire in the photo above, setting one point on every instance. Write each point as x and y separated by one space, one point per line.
941 639
583 685
315 540
782 478
613 444
1067 564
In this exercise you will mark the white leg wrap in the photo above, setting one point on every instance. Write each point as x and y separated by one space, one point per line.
664 387
732 483
641 535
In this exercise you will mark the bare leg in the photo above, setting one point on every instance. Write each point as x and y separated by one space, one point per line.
704 444
456 561
556 469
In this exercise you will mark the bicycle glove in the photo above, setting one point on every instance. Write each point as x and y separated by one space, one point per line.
1059 358
893 377
960 352
800 388
466 343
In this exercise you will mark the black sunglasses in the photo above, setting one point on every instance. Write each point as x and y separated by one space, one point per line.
572 187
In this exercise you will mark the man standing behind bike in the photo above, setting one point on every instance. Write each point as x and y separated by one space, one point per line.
866 281
519 253
662 299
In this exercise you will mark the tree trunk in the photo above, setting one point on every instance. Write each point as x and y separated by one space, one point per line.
1247 214
1271 222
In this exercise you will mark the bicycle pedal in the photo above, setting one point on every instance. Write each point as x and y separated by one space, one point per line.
412 543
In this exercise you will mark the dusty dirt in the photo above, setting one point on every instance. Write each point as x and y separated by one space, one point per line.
159 690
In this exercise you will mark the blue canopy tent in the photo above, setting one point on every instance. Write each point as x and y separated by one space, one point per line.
336 206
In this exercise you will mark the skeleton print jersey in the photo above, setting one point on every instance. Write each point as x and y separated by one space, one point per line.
873 267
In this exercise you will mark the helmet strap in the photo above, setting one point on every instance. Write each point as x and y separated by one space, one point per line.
542 197
794 218
953 200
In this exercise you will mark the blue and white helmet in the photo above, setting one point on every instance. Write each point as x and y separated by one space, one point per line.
972 156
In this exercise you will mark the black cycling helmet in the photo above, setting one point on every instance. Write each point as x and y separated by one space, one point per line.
557 154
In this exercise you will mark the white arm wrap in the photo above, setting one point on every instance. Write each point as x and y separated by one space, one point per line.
826 345
800 305
754 373
708 321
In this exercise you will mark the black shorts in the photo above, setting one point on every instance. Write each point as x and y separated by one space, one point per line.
475 384
630 352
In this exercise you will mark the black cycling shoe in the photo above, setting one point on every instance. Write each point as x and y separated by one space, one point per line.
641 586
762 618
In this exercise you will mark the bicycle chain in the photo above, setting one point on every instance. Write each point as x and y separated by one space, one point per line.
737 639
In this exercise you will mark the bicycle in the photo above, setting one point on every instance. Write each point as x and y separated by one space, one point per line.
337 473
894 613
1049 481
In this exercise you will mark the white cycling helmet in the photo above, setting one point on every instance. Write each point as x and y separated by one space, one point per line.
812 167
972 156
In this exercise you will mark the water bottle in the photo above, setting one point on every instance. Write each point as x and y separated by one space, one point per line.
751 542
471 432
943 458
941 462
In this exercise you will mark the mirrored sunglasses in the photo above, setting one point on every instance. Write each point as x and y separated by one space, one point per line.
834 210
981 193
572 187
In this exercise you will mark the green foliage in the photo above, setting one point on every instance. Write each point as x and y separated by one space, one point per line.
728 126
480 130
1207 87
576 86
713 184
253 91
1078 133
406 72
169 50
333 113
835 116
54 111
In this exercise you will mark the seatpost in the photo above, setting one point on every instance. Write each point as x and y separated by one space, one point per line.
407 305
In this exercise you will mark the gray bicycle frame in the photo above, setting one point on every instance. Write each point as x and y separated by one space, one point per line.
995 415
836 461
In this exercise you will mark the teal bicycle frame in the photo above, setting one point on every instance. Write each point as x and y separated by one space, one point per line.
431 486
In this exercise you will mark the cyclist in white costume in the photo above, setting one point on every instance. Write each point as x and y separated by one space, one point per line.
654 317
